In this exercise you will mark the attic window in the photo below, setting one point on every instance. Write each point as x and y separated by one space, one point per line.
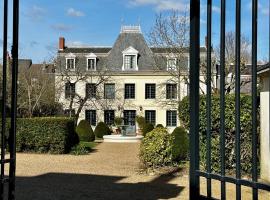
171 63
70 61
130 59
91 62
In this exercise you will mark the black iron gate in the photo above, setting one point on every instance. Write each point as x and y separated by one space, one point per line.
195 172
8 138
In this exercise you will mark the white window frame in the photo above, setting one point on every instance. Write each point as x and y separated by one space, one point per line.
91 56
173 67
130 51
71 56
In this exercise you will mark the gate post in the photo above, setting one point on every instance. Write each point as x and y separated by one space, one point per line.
194 182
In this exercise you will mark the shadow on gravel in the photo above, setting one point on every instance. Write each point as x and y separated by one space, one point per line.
56 186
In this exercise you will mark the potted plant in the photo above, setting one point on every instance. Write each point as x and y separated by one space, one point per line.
118 122
141 121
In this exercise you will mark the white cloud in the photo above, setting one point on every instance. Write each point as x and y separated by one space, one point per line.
76 44
162 5
75 13
35 13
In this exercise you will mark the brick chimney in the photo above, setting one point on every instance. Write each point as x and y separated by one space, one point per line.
61 43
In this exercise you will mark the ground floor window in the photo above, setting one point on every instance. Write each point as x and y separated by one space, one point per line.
109 117
150 116
129 117
69 112
171 118
91 117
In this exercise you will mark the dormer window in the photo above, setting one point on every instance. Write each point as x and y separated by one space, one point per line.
91 62
130 59
171 63
70 61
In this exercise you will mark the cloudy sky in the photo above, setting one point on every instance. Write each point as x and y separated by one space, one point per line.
98 22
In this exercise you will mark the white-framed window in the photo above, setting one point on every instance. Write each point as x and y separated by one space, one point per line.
171 63
70 61
171 118
130 59
91 60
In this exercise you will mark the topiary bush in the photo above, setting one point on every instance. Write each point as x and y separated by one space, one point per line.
159 126
85 131
245 132
180 144
118 121
45 135
147 128
101 130
141 121
156 148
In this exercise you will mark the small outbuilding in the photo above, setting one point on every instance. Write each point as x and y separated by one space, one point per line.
264 74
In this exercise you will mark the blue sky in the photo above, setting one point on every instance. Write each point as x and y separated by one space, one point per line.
98 22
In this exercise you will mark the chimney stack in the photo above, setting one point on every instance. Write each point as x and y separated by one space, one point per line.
61 43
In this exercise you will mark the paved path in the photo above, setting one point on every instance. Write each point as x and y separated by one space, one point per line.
110 172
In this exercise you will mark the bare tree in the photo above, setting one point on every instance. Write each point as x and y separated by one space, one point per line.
230 60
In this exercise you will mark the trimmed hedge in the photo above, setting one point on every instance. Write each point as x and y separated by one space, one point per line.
147 127
180 144
245 132
159 126
101 130
156 148
45 135
85 131
141 121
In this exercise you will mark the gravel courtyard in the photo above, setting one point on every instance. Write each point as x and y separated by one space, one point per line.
111 171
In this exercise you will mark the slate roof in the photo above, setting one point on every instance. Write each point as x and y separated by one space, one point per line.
263 68
86 50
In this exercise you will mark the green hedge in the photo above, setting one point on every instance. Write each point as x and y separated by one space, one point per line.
85 131
147 127
102 129
246 127
45 135
180 144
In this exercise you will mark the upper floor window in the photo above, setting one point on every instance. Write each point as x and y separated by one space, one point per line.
171 91
70 61
91 62
150 91
69 90
130 59
91 90
109 91
129 91
171 63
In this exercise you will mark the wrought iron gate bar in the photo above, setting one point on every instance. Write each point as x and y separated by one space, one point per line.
195 172
244 182
194 182
209 91
4 102
254 96
12 135
222 96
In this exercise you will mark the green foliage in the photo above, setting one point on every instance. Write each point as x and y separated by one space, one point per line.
180 144
159 126
83 148
85 131
101 130
147 127
52 135
245 132
156 148
141 121
118 121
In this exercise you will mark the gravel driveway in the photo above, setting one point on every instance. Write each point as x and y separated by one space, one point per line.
109 172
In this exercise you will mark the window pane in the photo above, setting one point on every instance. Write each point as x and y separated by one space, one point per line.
150 116
91 64
171 118
129 91
70 63
109 117
91 90
171 91
150 91
109 91
129 117
90 116
130 61
69 90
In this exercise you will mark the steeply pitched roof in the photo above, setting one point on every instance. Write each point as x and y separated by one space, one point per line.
135 40
86 50
263 68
